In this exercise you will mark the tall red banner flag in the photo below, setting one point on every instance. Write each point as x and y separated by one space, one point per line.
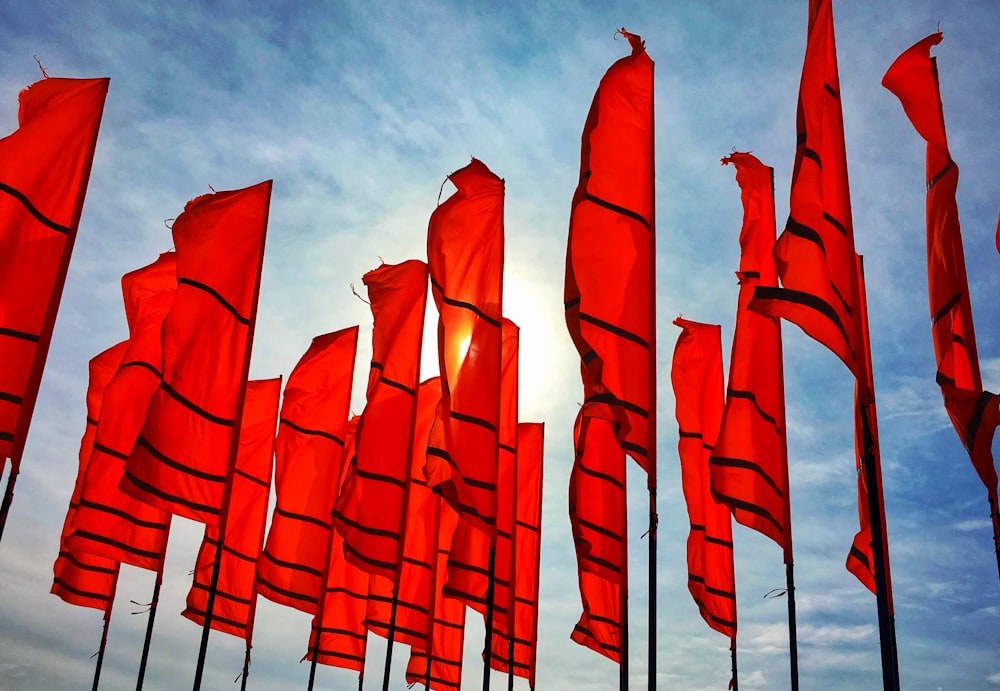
44 170
465 259
416 577
526 542
369 511
609 282
697 380
183 457
749 464
310 462
815 253
108 521
913 78
81 578
235 599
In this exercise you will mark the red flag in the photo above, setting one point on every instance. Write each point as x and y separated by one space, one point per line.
815 253
749 465
469 555
465 259
310 463
339 636
609 259
235 600
369 510
183 457
44 170
80 578
913 79
416 579
697 380
523 612
108 521
441 664
597 515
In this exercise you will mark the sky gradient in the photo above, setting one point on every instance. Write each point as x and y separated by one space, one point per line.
358 111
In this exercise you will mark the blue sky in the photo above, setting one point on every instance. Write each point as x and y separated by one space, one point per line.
358 111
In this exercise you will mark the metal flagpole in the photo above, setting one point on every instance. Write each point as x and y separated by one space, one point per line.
149 627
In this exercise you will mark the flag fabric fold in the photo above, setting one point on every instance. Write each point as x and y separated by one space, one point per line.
369 511
609 286
417 570
465 239
815 254
243 529
913 78
81 578
109 522
183 456
749 464
44 170
523 610
310 462
697 379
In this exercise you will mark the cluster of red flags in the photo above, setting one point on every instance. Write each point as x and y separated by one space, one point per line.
379 518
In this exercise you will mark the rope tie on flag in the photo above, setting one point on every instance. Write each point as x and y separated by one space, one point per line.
775 593
356 292
39 63
147 605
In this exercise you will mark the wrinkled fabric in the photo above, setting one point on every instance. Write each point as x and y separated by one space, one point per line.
44 170
369 511
310 453
696 376
242 532
749 464
183 455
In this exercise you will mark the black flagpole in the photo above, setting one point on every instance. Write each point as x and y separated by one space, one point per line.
623 586
490 592
149 628
793 645
995 516
104 632
735 684
8 497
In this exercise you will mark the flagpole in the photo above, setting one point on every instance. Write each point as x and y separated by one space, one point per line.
149 627
8 497
490 596
107 625
623 586
995 515
534 625
735 684
651 473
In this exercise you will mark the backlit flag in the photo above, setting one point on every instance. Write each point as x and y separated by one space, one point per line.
440 665
815 253
913 78
697 381
597 516
109 522
44 170
749 465
235 600
340 622
80 578
183 457
416 578
609 282
369 511
310 462
523 616
465 239
469 555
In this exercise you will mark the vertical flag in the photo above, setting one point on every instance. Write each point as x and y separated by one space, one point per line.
81 578
416 577
609 282
465 239
108 521
183 457
44 171
523 609
310 463
243 528
339 636
749 465
369 511
913 78
697 381
815 253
